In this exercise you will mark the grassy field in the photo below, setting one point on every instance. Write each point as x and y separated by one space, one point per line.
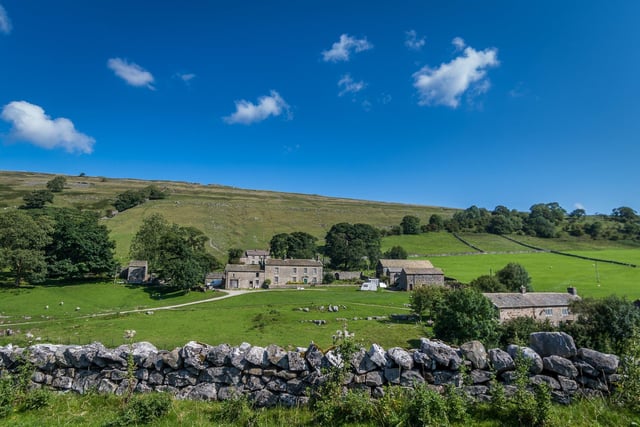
551 272
568 243
259 317
426 243
492 242
70 409
229 216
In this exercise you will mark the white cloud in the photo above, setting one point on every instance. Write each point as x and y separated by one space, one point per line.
578 206
131 73
447 83
412 41
342 49
31 124
459 43
349 86
247 112
5 22
186 77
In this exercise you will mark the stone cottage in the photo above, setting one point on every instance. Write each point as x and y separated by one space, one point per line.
283 271
243 276
393 267
541 306
411 278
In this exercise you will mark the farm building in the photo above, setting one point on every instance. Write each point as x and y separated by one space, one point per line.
541 306
283 271
393 267
138 272
214 280
243 276
411 278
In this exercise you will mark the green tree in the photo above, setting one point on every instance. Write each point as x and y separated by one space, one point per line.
352 246
465 315
514 277
410 224
488 283
80 245
56 185
604 324
302 245
577 215
594 229
176 254
279 245
128 200
396 252
22 242
436 223
426 300
234 255
624 214
37 199
147 243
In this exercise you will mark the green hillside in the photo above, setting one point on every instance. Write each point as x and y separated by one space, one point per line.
230 217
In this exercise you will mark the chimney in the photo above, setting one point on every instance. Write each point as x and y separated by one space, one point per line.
572 291
523 290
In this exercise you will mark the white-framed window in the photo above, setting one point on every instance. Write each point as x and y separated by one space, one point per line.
548 311
565 311
277 270
305 270
276 279
294 279
295 270
315 271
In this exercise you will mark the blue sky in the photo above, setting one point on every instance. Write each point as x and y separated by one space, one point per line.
438 103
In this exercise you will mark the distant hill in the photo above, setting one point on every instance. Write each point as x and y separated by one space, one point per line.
229 216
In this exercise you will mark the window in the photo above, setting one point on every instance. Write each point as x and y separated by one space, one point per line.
315 271
276 279
294 279
295 270
277 270
565 311
548 311
305 270
257 274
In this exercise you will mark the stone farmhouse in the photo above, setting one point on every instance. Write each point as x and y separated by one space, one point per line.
243 276
259 267
541 306
412 278
421 272
283 271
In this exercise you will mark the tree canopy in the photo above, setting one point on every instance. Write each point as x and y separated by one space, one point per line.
80 245
37 199
396 252
298 244
22 242
175 254
514 277
56 185
352 246
464 315
410 224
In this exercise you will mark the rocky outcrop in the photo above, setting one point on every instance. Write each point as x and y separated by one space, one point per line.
276 376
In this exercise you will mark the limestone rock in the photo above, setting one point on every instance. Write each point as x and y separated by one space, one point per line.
553 344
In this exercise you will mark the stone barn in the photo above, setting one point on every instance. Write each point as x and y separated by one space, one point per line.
412 278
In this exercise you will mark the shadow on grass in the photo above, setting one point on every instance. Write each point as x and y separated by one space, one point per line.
159 292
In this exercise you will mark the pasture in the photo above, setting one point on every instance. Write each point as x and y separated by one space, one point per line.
258 317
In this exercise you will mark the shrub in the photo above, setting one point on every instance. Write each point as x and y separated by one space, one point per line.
143 409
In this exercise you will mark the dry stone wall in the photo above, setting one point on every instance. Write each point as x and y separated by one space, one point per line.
272 375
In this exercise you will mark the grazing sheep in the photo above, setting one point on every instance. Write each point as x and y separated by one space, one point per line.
77 308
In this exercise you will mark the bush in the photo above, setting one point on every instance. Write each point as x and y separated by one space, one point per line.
143 409
237 411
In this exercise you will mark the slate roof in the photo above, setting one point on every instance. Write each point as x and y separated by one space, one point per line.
422 271
243 267
256 252
137 263
531 299
293 262
404 263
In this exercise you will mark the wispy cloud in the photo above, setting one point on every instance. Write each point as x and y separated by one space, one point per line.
342 49
247 112
459 43
5 22
131 73
412 41
348 85
186 77
32 125
447 83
